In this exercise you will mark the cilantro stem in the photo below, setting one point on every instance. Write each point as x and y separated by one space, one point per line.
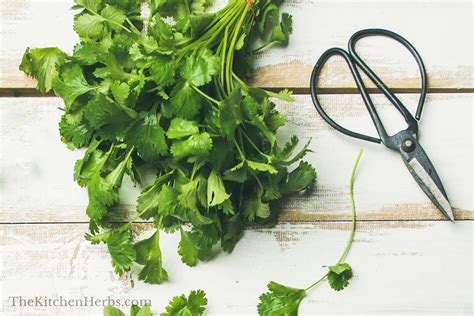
351 190
230 54
132 26
255 146
242 156
351 236
205 95
317 282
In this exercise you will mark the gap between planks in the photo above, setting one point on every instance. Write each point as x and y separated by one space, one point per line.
283 222
33 93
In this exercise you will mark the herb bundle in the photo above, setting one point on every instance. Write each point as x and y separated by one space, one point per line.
166 93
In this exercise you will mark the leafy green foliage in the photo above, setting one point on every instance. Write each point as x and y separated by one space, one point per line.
149 254
339 276
280 300
145 93
192 305
283 300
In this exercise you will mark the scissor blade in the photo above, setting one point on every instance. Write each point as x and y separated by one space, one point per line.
427 178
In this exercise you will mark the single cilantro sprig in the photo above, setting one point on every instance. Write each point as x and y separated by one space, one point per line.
147 95
193 305
284 300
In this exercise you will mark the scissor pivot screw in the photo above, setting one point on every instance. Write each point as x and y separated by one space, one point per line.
408 145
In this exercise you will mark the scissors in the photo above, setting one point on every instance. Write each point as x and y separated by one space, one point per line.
405 142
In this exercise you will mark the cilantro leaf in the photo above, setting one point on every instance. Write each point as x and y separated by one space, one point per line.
74 131
112 311
90 26
230 114
90 164
91 5
200 67
186 101
193 305
153 198
283 155
120 91
71 85
167 200
180 128
102 196
148 137
198 145
280 300
193 247
143 311
216 192
163 70
114 17
108 117
299 179
253 207
281 33
42 64
259 166
120 247
339 276
87 53
149 254
192 25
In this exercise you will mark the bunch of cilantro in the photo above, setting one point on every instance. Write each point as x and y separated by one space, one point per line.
165 94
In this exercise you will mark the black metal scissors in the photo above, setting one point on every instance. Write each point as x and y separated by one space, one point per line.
405 141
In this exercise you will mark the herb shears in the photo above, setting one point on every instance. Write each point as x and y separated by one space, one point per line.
405 142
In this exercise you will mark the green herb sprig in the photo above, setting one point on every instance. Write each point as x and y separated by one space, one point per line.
192 305
165 94
284 300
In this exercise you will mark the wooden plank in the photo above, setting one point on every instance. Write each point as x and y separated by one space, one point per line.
399 268
36 168
318 26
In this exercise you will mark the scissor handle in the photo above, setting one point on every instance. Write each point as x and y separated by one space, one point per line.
360 84
378 82
352 59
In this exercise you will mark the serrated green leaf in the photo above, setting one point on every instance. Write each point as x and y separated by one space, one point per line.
193 305
110 118
200 67
149 254
339 276
148 137
72 85
197 145
216 192
299 179
42 64
163 70
90 26
186 101
280 300
180 128
112 311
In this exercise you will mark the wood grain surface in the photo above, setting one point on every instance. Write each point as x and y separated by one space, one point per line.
444 43
400 268
37 167
407 259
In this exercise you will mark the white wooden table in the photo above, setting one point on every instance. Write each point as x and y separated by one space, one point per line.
406 258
